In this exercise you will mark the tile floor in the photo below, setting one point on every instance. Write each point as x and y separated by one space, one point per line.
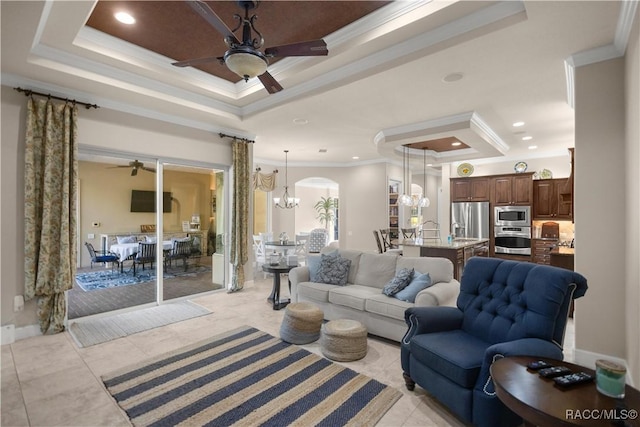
49 381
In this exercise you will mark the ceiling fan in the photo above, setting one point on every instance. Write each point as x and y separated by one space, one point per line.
244 58
135 165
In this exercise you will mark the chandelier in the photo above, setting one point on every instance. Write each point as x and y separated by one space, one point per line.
286 201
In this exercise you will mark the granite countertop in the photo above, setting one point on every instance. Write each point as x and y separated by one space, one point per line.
563 250
431 243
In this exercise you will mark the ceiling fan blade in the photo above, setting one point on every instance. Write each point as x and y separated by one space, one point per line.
149 169
203 9
270 83
134 171
192 62
310 48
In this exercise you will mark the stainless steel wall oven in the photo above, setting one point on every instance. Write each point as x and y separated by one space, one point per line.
512 240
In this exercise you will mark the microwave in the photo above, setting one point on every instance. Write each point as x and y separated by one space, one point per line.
512 216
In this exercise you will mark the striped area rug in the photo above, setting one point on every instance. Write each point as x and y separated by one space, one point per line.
248 378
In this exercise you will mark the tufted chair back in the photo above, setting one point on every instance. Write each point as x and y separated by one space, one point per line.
509 300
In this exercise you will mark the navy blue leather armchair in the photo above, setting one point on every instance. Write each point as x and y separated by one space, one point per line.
505 308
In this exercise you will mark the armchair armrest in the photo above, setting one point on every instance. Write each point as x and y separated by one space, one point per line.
440 294
298 275
424 320
535 347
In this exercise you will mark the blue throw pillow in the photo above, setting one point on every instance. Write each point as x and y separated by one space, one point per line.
334 270
398 283
313 262
418 283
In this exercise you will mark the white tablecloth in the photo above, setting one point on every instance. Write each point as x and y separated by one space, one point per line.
280 247
125 250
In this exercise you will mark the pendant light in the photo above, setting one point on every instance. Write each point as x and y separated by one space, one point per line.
286 201
405 199
424 201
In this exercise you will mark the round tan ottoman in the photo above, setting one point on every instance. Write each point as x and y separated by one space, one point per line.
343 340
301 323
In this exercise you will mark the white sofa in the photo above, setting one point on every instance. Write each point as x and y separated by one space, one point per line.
362 298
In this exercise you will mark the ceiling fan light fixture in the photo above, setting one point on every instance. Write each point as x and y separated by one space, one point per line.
246 63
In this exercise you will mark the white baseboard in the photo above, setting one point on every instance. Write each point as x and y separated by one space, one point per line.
11 334
8 334
588 359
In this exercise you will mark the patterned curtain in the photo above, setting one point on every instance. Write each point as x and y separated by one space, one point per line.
239 213
264 181
50 187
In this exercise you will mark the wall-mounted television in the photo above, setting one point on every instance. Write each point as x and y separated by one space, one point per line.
145 201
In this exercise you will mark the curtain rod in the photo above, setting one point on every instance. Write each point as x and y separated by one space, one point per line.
29 92
237 138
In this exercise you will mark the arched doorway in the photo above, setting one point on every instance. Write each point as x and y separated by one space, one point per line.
313 190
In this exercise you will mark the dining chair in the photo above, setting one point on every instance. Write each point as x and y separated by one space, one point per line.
146 254
181 249
102 257
302 244
408 233
378 242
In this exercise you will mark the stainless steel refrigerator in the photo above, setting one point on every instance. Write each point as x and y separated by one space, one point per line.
470 220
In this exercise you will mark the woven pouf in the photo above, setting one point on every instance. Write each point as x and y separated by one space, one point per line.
301 323
343 340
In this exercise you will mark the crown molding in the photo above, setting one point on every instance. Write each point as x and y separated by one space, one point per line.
602 53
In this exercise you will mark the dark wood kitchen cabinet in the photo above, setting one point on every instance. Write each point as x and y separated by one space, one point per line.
552 199
514 189
541 250
470 189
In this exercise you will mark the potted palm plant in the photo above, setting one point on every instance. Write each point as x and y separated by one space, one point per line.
326 207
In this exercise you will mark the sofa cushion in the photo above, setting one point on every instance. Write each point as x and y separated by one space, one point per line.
354 256
313 262
353 296
440 269
376 270
398 283
454 354
314 291
333 270
385 306
418 283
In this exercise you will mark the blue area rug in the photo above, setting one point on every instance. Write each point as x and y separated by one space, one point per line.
105 279
247 377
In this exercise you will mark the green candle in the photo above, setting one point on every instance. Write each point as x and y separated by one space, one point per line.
610 378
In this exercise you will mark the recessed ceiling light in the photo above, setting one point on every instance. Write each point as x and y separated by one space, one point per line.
355 157
125 18
300 121
429 164
518 124
452 77
455 144
527 138
533 147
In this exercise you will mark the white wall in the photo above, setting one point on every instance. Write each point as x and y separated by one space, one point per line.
632 196
600 228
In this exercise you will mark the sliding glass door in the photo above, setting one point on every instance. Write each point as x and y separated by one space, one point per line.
192 230
158 257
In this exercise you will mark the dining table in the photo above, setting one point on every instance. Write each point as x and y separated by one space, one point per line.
125 250
279 246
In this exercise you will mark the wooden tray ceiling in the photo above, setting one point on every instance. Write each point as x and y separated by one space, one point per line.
173 29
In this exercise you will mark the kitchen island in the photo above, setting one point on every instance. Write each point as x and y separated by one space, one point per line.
458 251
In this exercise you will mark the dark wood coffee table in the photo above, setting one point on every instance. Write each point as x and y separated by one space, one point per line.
540 402
277 270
